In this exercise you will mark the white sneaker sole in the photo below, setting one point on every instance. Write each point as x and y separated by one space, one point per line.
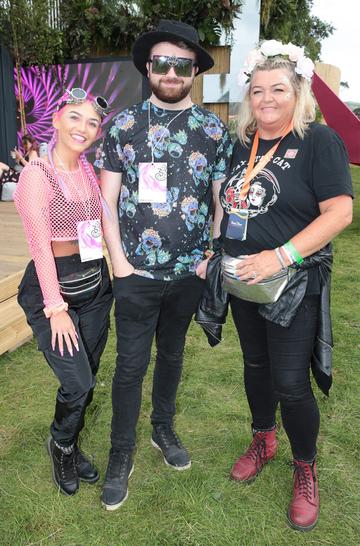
112 507
180 468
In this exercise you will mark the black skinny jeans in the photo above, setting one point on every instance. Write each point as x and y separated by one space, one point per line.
145 308
276 369
76 373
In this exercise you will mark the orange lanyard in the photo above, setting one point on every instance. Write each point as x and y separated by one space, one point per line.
252 171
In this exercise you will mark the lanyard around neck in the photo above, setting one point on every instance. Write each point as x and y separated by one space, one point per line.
252 171
155 147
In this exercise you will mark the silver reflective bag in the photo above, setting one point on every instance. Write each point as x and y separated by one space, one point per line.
266 291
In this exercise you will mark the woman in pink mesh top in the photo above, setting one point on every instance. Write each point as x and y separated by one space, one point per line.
66 291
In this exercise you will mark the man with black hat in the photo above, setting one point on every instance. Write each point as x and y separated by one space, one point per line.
164 161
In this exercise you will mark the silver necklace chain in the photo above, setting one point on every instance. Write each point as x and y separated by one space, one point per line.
155 147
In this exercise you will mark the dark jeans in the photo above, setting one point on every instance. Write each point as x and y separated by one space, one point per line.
276 369
76 374
144 308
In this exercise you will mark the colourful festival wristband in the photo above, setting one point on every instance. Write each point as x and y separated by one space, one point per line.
287 254
294 253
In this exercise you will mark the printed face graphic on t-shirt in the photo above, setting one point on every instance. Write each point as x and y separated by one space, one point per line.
257 194
262 194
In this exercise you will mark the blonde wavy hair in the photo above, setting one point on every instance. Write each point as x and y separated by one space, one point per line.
304 112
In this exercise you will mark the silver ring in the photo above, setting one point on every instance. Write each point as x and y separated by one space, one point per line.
254 275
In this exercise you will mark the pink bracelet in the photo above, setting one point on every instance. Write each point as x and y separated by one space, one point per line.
52 311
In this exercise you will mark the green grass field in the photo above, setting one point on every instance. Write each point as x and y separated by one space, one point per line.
200 507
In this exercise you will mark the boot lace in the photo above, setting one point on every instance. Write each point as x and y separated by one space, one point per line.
118 464
67 466
257 450
168 436
304 480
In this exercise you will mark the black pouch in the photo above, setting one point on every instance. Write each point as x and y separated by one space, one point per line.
81 286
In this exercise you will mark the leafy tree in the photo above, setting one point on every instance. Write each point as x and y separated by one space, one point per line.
91 27
292 21
209 17
25 30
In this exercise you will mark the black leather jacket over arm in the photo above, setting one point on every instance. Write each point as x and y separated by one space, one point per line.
284 310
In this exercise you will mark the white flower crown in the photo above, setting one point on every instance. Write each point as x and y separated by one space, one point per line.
272 48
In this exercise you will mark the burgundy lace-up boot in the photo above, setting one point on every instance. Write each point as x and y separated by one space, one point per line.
262 449
304 507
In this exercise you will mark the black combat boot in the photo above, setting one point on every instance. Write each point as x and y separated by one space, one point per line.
63 467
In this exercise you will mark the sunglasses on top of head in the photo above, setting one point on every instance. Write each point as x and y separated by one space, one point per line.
161 64
77 96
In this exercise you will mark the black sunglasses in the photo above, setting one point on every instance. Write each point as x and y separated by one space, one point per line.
161 64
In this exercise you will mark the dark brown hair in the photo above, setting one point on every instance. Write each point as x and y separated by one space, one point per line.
31 140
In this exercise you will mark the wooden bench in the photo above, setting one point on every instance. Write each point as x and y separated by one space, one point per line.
14 256
14 330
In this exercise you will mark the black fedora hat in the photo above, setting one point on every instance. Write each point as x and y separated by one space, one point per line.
169 31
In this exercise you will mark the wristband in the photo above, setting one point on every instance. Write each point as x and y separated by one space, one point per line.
281 259
55 310
294 253
287 254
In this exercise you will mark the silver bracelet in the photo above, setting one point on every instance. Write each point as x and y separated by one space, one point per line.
281 259
287 253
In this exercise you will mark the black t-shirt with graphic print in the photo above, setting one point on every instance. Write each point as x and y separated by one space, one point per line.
284 197
167 240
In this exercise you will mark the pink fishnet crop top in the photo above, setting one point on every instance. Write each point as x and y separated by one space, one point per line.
48 216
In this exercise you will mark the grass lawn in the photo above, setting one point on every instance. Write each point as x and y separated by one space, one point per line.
200 507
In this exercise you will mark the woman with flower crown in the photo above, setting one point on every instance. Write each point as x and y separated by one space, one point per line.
288 195
66 291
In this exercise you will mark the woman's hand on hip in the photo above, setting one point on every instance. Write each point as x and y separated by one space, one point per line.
63 330
256 267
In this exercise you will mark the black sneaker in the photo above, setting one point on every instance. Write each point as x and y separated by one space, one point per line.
63 468
84 467
166 440
119 470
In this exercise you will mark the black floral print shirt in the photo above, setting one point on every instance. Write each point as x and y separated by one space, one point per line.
167 240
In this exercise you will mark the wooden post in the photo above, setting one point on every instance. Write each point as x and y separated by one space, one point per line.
21 99
330 74
221 56
18 74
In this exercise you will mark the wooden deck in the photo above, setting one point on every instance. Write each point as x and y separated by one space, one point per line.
14 256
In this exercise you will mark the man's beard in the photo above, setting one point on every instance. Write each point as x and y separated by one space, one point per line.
170 95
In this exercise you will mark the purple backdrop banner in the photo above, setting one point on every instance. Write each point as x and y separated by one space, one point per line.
117 80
